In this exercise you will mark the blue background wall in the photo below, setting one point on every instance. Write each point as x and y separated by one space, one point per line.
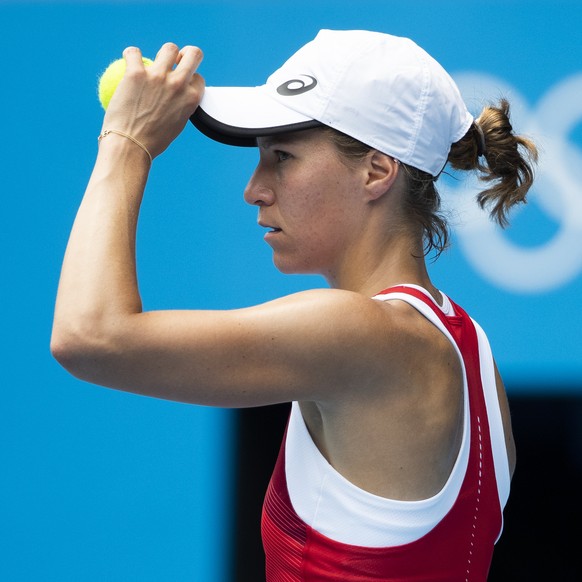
98 485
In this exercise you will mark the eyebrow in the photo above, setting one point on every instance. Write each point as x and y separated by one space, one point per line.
281 138
271 140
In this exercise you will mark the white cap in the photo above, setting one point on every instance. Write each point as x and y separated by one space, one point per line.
382 90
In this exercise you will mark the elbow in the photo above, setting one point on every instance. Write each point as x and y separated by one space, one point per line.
76 350
63 349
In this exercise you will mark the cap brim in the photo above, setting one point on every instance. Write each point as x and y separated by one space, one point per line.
238 115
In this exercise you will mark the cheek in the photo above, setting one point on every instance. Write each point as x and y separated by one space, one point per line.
314 209
325 223
322 203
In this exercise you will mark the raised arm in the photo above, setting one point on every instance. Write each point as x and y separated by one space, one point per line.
300 347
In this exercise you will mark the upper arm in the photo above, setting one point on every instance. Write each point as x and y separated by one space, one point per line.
308 346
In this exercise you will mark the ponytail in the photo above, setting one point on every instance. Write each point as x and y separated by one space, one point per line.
501 158
490 147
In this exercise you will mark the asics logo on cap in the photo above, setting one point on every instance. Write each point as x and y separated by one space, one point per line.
296 86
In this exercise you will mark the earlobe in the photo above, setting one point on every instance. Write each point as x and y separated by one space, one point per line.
382 172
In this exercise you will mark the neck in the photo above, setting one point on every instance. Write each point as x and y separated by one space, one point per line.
391 264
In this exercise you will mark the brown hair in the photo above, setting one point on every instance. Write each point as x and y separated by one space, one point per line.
490 147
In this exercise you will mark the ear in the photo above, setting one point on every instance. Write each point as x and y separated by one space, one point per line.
382 171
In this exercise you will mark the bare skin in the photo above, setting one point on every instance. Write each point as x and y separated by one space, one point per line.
380 387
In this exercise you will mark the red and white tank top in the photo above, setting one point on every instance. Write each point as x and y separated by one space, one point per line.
317 526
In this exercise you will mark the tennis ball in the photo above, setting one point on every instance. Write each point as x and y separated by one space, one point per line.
111 77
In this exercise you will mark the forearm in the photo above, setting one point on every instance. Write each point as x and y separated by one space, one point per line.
98 280
98 325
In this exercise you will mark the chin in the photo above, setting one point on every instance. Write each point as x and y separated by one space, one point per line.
289 267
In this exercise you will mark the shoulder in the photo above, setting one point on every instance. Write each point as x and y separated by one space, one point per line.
332 322
342 312
357 340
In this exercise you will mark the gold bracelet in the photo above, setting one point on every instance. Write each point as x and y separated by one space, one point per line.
135 141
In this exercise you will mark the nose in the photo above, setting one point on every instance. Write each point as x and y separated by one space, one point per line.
257 193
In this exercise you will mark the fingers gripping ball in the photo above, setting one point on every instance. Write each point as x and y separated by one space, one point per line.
111 77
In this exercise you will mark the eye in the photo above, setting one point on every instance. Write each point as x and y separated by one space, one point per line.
282 155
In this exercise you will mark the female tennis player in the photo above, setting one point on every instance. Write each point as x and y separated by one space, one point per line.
398 455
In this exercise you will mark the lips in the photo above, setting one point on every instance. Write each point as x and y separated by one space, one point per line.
272 233
270 227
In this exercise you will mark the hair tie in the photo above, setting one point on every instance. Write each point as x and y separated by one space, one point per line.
481 148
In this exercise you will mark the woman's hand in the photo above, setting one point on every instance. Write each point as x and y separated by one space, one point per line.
153 104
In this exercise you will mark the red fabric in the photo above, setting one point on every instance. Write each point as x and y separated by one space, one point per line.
460 547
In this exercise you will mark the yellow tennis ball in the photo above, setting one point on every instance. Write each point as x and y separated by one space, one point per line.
111 77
